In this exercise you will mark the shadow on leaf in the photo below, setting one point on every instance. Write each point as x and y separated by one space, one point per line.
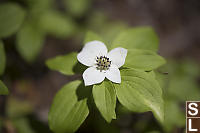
83 91
79 68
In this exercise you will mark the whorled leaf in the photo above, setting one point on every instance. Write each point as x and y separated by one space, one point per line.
66 64
105 99
3 89
68 111
2 58
11 18
30 41
143 59
140 92
137 38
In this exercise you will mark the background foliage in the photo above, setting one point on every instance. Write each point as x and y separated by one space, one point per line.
33 31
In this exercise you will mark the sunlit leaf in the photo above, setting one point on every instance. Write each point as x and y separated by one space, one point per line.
139 38
140 92
66 64
2 58
3 89
30 41
105 99
143 59
68 111
11 18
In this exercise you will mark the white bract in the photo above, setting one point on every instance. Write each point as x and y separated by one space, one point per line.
101 63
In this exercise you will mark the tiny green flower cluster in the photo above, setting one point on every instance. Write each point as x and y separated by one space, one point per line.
103 63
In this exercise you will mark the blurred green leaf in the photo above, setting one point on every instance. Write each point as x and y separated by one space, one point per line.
183 85
143 59
17 108
107 29
65 64
183 88
111 30
57 24
105 99
2 58
3 89
11 18
78 7
140 92
39 6
174 117
190 67
67 113
91 36
30 41
96 20
139 38
22 125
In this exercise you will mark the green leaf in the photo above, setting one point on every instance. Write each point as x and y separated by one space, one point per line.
105 99
57 24
30 41
183 75
178 88
67 113
66 64
140 92
139 38
22 125
2 58
91 36
38 6
78 7
110 30
16 108
3 89
143 59
174 117
11 18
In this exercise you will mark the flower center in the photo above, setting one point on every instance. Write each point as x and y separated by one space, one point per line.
103 63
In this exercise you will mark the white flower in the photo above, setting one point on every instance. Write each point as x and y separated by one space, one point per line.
101 63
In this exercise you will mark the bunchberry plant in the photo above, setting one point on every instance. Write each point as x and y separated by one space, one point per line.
125 73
